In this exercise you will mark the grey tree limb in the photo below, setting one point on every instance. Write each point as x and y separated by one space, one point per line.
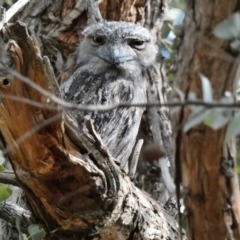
8 178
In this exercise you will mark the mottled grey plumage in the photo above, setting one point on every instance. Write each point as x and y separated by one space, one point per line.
115 62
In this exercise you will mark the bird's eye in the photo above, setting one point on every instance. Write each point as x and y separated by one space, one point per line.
138 44
97 40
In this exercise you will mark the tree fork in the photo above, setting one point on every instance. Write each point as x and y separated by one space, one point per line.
71 181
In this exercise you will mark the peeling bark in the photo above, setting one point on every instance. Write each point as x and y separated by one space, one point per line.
69 174
72 183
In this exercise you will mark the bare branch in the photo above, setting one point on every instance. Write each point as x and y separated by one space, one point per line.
28 101
9 212
8 178
92 108
135 158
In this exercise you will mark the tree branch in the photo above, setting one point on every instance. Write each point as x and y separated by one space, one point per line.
68 175
8 178
10 212
93 108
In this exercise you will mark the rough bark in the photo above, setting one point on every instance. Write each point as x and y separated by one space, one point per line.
70 180
57 25
72 183
213 211
58 29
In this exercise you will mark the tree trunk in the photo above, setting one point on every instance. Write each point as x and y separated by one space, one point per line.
213 211
72 184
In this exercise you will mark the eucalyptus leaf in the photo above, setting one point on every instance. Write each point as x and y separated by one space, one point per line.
217 118
178 30
228 97
5 192
166 28
228 28
20 235
195 118
174 110
36 231
2 159
2 169
206 88
233 128
192 96
174 15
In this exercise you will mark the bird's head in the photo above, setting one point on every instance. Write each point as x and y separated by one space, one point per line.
119 46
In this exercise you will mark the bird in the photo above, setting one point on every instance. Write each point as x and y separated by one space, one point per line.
116 61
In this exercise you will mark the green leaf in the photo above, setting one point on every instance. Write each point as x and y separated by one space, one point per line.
217 118
206 88
5 192
178 30
166 28
228 28
233 128
192 96
20 235
2 169
2 159
36 231
173 14
195 118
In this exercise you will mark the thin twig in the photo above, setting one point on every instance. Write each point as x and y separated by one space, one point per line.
92 108
135 158
10 211
29 102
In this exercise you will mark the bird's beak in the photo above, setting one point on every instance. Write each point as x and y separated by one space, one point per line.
116 55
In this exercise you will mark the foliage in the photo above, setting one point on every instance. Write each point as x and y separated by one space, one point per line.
5 191
170 33
35 231
2 160
229 29
214 118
